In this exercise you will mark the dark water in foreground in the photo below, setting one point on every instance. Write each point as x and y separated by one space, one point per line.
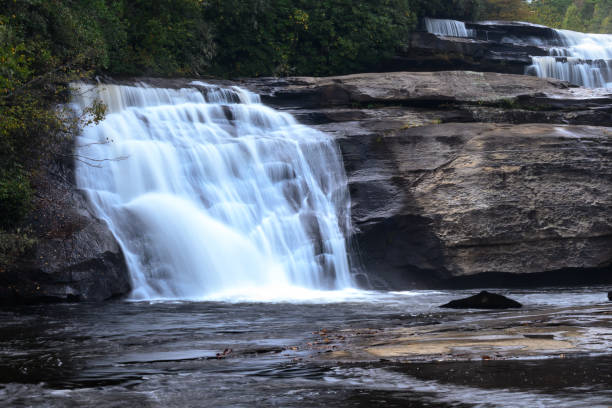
164 355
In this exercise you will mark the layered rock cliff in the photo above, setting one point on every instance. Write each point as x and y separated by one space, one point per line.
493 46
434 199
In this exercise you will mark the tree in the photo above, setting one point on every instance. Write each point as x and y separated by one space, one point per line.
516 10
579 15
263 37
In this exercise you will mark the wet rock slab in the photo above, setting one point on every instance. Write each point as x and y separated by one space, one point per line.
551 333
460 199
426 88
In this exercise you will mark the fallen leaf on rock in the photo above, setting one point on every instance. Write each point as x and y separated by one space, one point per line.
224 354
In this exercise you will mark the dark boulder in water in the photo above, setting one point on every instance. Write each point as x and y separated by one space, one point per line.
483 300
610 296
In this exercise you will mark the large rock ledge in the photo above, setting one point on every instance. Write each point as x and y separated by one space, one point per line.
451 200
435 202
493 46
75 258
429 89
462 96
429 52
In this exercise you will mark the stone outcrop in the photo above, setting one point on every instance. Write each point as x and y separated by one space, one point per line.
433 201
75 257
506 31
430 89
461 199
427 52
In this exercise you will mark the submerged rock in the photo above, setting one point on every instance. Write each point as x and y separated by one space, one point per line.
610 296
483 300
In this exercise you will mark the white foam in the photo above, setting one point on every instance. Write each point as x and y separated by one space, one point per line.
213 195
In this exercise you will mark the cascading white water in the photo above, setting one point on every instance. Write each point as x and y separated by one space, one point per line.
447 28
211 194
582 59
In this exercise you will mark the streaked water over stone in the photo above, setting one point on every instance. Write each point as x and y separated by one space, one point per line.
211 194
579 58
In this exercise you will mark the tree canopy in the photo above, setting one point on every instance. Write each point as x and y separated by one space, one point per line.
593 16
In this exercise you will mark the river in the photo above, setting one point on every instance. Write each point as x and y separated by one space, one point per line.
177 354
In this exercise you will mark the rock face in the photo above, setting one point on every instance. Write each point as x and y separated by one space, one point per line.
430 89
75 258
494 46
462 199
483 300
433 201
427 52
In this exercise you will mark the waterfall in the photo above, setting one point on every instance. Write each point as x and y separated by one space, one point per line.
582 59
447 28
210 193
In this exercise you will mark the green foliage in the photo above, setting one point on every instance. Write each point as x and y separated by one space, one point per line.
464 10
15 197
513 10
163 37
43 46
263 37
13 245
578 15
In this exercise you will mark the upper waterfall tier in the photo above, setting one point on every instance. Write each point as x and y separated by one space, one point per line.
582 59
447 28
579 58
211 193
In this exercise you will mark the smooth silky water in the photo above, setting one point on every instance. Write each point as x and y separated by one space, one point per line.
213 195
447 28
580 58
233 219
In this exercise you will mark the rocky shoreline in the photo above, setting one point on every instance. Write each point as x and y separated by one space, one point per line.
553 332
